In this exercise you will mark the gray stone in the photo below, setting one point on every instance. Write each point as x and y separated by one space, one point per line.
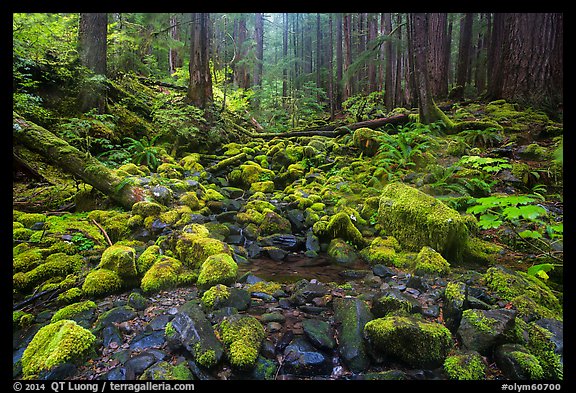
351 314
301 358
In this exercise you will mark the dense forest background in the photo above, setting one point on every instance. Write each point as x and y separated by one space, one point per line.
287 196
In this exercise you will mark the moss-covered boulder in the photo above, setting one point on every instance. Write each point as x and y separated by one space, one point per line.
101 282
341 226
60 342
366 139
416 220
80 312
147 259
120 259
217 269
415 342
192 249
517 363
242 336
483 330
465 366
55 266
272 223
429 261
147 209
341 252
382 250
165 273
532 298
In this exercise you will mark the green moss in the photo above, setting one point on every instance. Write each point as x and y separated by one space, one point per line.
70 296
214 295
27 260
416 219
193 249
418 343
191 200
22 234
21 319
481 251
262 186
29 219
72 310
242 336
429 261
540 345
101 282
164 274
341 226
509 285
54 344
114 222
268 287
453 292
465 367
366 139
147 209
206 358
478 320
273 223
529 364
217 269
55 265
120 259
147 259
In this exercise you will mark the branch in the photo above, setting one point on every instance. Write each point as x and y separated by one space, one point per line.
103 232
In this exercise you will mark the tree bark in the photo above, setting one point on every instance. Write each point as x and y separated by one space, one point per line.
200 86
92 34
259 37
87 168
437 60
465 47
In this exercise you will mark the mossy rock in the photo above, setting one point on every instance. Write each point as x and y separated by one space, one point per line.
165 371
120 259
147 209
73 311
262 186
191 200
515 286
382 250
272 223
517 363
164 274
147 259
416 220
54 266
217 269
341 226
366 139
341 252
415 342
193 249
55 344
242 336
465 366
429 261
101 282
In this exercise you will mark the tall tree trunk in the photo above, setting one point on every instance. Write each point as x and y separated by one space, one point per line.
241 69
372 32
348 82
285 57
331 97
389 80
465 47
174 58
339 62
200 86
92 34
259 38
437 61
483 38
428 110
85 167
532 59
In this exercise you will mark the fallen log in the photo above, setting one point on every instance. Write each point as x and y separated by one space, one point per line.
66 157
337 131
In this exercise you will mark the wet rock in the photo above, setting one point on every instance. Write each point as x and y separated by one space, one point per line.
284 241
351 314
192 330
319 333
341 252
482 330
111 334
556 328
517 363
382 271
306 291
115 315
454 301
393 301
136 365
275 253
301 358
146 340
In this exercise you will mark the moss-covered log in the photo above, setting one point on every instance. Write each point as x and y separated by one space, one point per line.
85 167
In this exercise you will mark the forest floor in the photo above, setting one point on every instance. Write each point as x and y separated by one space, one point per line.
265 212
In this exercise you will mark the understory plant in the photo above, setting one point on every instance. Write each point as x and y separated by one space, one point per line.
528 220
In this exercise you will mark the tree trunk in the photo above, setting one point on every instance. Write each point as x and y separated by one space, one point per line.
372 33
437 61
174 58
347 28
92 34
285 56
389 80
87 168
339 62
259 38
531 54
428 110
200 86
465 47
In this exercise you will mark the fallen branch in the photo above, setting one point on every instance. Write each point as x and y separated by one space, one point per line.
228 161
103 232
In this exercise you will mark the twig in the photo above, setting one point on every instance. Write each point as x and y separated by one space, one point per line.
103 232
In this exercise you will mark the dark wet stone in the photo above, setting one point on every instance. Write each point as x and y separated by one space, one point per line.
238 299
506 357
555 327
482 330
275 253
315 310
115 315
394 300
273 317
382 271
301 358
264 296
283 342
192 330
137 301
136 365
265 369
60 372
351 314
305 293
312 242
284 241
147 340
159 322
118 373
162 194
296 218
319 333
111 334
158 225
454 304
254 250
353 274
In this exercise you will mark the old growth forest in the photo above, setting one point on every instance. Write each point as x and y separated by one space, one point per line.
287 196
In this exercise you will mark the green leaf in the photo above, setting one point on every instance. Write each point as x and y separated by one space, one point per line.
488 221
530 234
540 270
